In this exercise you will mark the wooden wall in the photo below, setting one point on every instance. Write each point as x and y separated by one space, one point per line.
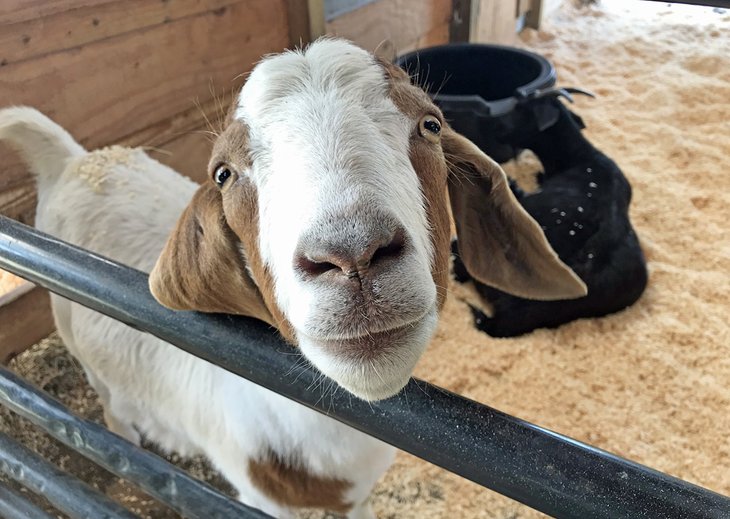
128 71
407 24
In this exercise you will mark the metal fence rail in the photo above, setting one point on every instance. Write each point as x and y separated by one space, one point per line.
15 506
542 469
64 491
167 483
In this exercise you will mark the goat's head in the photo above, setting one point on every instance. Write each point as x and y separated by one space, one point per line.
326 215
537 113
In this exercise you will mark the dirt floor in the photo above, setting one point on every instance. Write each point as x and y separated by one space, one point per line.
651 383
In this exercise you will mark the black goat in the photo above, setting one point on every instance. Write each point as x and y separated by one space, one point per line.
582 205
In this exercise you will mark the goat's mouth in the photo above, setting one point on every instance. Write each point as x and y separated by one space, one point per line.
375 365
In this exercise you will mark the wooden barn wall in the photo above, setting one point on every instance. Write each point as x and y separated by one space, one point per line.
409 25
136 72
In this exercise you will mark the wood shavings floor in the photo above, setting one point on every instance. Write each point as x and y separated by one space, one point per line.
651 383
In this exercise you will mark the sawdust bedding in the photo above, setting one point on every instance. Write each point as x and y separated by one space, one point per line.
651 383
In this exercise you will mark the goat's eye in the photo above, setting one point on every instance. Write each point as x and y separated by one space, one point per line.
221 174
430 128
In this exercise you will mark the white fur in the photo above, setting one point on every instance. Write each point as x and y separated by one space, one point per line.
324 138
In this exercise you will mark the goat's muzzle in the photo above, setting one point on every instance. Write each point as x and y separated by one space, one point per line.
372 300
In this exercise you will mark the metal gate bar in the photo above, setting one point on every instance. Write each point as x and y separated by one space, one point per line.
708 3
15 506
62 490
542 469
173 486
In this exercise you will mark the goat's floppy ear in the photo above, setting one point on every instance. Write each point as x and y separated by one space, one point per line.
499 242
202 267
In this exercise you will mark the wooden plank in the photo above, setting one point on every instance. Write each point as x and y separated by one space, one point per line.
84 22
209 115
187 154
436 36
317 25
25 321
460 21
495 21
396 20
135 80
297 14
12 11
133 84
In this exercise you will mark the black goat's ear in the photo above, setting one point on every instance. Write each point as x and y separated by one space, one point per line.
578 120
499 242
546 115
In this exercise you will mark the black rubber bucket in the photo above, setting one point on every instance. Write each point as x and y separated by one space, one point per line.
475 85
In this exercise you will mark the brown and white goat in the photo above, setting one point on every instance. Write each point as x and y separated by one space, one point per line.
327 216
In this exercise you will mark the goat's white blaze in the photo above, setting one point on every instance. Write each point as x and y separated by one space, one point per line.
327 141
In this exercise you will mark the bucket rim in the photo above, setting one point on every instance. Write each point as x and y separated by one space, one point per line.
475 103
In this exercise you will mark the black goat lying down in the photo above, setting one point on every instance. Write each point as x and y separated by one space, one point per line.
582 205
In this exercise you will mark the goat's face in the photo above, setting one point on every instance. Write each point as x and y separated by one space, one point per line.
327 216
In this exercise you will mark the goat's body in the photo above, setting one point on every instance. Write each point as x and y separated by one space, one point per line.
122 204
582 206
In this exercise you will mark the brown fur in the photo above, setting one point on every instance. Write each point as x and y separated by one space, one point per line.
294 487
211 256
200 267
241 209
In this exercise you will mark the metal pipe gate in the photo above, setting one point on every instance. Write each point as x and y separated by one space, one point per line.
545 470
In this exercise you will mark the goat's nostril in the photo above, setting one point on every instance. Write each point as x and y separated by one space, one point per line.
314 268
392 249
351 258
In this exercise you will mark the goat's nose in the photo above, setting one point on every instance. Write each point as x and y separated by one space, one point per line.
351 257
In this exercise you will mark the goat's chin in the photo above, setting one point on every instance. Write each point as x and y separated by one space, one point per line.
376 366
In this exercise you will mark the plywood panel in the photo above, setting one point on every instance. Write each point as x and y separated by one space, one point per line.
437 36
495 21
91 22
25 321
187 154
135 80
12 11
403 22
139 87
